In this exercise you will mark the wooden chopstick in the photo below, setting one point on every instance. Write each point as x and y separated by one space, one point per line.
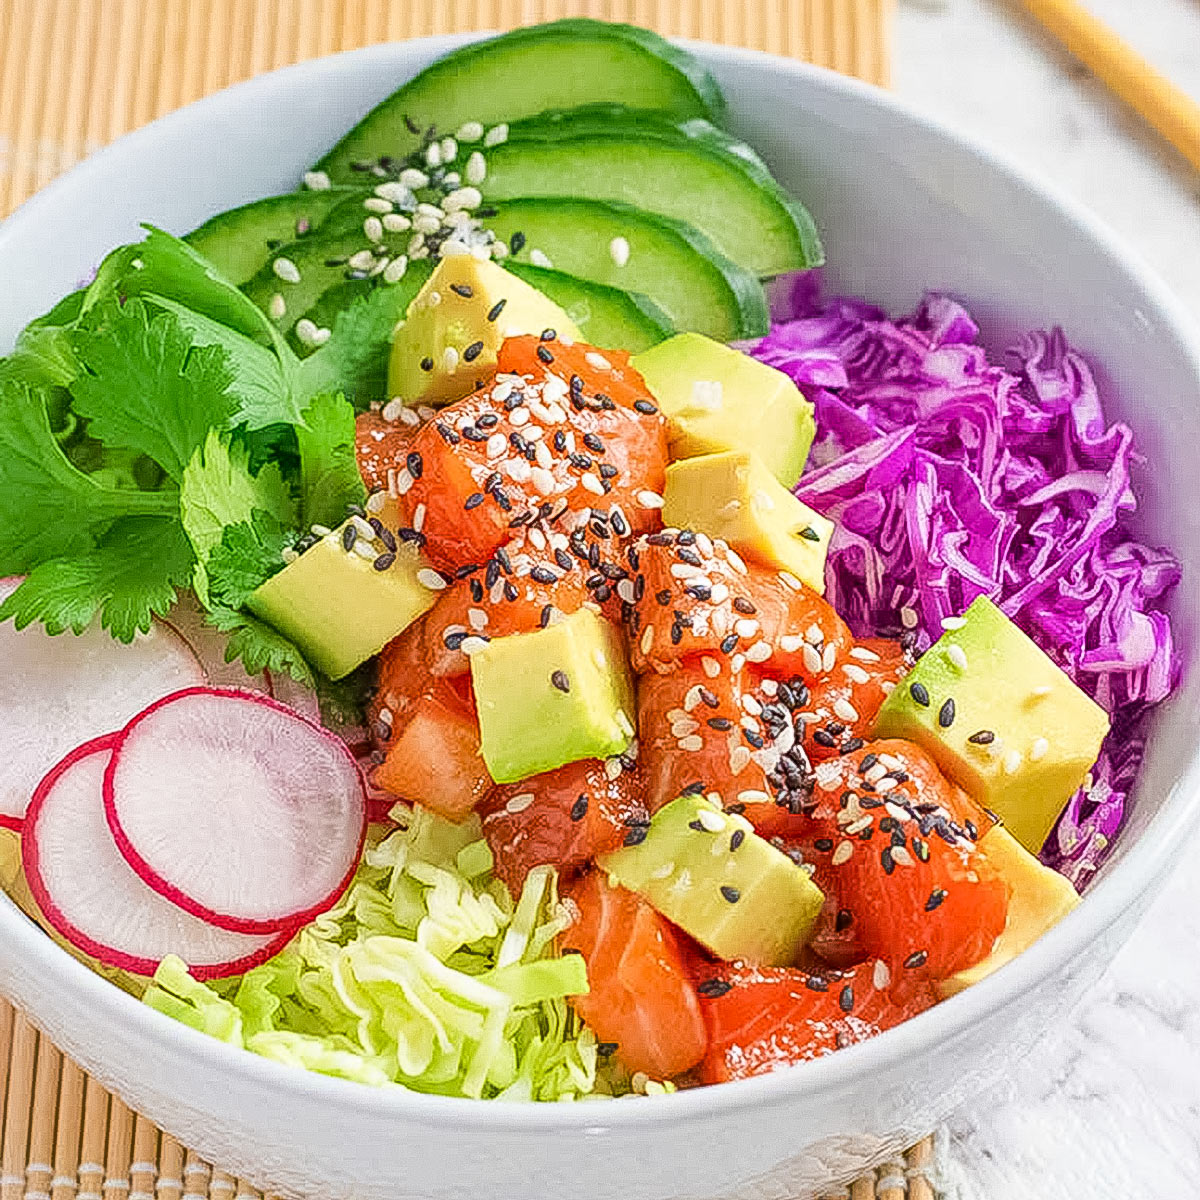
1163 105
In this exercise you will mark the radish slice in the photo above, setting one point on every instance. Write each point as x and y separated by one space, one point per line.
208 644
92 896
56 692
236 808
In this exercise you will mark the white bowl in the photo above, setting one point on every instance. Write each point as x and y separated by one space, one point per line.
904 205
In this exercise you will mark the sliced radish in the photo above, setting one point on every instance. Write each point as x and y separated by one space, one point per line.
236 808
56 692
208 644
92 896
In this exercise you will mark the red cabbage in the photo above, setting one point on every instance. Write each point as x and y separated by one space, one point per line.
950 476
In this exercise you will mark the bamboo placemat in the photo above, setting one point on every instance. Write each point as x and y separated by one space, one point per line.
74 75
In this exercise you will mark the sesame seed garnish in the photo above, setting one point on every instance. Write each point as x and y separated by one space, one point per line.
844 709
864 655
982 737
286 270
909 618
431 579
935 899
732 894
637 835
277 307
811 659
645 407
580 807
738 837
317 181
713 989
1039 749
810 534
789 580
880 975
520 802
1012 762
946 714
846 998
855 673
919 693
560 680
917 959
845 848
384 561
472 352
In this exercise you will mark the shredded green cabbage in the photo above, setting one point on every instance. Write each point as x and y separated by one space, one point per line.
425 975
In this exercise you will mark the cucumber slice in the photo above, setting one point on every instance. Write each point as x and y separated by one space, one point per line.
238 241
606 316
587 119
554 65
698 288
321 261
695 174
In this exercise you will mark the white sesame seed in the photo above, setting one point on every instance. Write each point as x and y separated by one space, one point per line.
887 687
403 483
538 539
317 181
476 170
286 270
759 652
953 622
473 644
769 687
594 358
376 501
691 743
855 674
790 580
395 270
428 578
395 192
612 768
495 136
720 593
626 591
684 725
881 976
539 258
469 131
876 773
856 827
433 155
310 334
366 550
478 619
449 359
751 705
277 307
1039 749
736 663
592 483
361 260
745 628
886 784
449 149
426 224
413 178
791 642
648 499
901 856
813 635
289 554
519 803
957 656
542 454
811 659
393 408
845 710
647 639
908 617
864 655
373 228
828 659
710 666
828 776
1012 762
377 204
542 480
739 759
396 222
714 822
845 848
462 198
380 266
618 250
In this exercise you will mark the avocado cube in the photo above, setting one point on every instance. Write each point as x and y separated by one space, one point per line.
1038 899
710 873
733 496
455 324
338 605
717 398
553 696
1001 720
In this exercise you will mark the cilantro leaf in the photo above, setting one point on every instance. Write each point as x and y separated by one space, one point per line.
259 646
248 554
48 508
131 574
259 382
218 489
329 475
147 388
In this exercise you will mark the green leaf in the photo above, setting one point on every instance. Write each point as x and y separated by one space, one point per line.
329 475
259 383
43 357
247 555
218 489
48 508
259 646
129 576
148 388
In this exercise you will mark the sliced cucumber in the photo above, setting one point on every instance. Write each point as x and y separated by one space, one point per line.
606 316
555 65
698 288
238 241
320 261
700 176
586 119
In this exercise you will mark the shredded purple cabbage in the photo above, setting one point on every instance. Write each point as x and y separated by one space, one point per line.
950 476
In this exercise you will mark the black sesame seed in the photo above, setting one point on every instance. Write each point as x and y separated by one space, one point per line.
563 559
824 844
729 644
919 693
917 959
384 561
606 1049
341 262
473 435
810 534
946 714
580 807
510 591
697 825
472 352
708 698
817 983
386 537
730 893
843 920
935 899
580 460
885 857
676 633
543 575
474 500
713 989
501 557
544 355
636 836
920 849
476 590
560 680
984 737
753 738
489 421
462 289
448 435
516 243
846 999
689 556
720 724
498 307
744 606
850 745
698 591
824 738
593 443
349 537
738 837
548 335
644 406
869 760
663 597
695 788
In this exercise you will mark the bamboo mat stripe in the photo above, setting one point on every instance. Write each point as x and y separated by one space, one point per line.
74 75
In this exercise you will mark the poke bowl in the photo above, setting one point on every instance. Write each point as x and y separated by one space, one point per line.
999 518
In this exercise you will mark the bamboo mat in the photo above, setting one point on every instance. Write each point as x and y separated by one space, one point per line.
74 75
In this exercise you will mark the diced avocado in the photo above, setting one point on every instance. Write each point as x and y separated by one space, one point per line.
1038 899
607 317
717 398
733 496
553 696
340 606
452 333
710 873
1001 720
239 240
670 261
554 65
